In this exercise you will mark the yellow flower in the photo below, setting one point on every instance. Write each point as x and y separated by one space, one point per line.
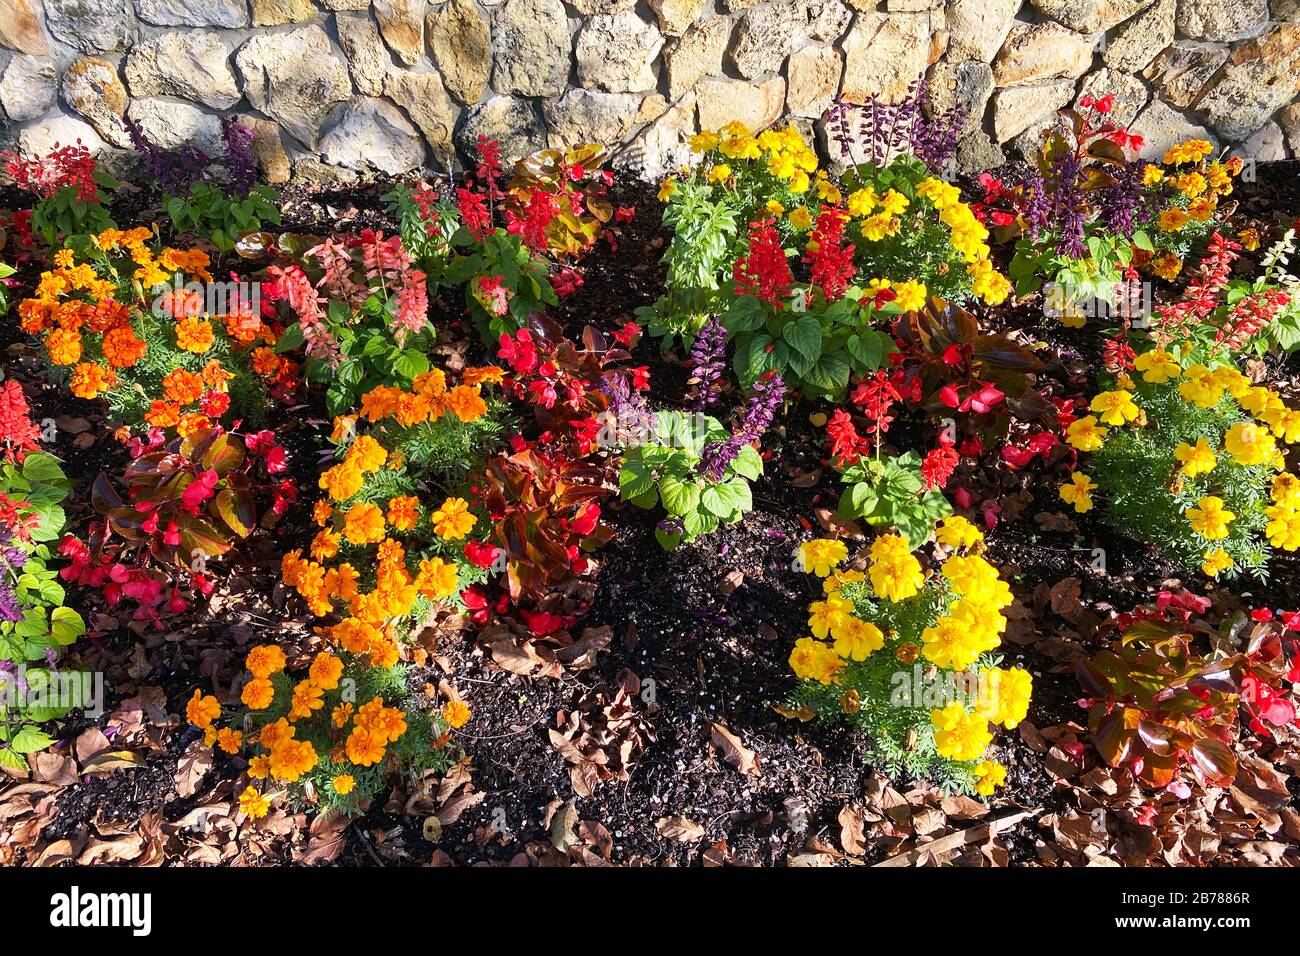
862 202
1216 562
826 616
801 218
956 532
720 173
822 555
1004 695
666 189
453 520
856 639
1078 492
1188 151
1249 443
1196 460
363 524
989 775
1172 220
703 142
1210 518
343 784
959 734
910 295
456 713
252 803
813 660
1085 434
894 571
1116 408
1157 366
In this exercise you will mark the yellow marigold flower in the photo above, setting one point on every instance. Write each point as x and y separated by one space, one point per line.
1004 695
342 481
825 616
1078 492
1172 220
801 218
1210 518
437 579
1201 387
1189 151
894 571
822 555
958 734
1157 366
666 189
456 713
989 775
453 520
265 660
703 142
1283 528
856 639
259 768
813 660
1286 490
957 532
838 579
1196 460
862 202
253 804
1152 174
343 784
1216 562
1167 266
306 699
1249 443
1249 238
1115 408
774 208
1085 434
363 524
258 694
720 173
202 710
910 295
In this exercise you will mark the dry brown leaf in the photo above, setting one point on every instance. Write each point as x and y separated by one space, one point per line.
679 828
734 752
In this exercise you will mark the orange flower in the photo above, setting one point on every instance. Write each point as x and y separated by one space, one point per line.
456 713
266 363
202 711
403 512
324 545
265 660
258 694
367 454
122 347
162 414
486 373
181 387
194 335
342 481
363 524
192 422
322 511
214 376
306 698
466 403
90 378
364 748
292 759
453 520
64 347
325 671
230 740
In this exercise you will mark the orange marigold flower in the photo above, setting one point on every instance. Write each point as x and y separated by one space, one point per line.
277 734
64 347
253 804
403 512
367 454
342 481
493 374
162 414
343 784
182 387
325 671
214 376
192 422
437 579
89 379
363 524
122 347
230 740
292 759
364 748
466 403
265 660
453 520
325 544
341 715
194 335
456 713
201 711
266 363
322 511
258 693
306 698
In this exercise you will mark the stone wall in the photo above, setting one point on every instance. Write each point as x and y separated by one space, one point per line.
347 85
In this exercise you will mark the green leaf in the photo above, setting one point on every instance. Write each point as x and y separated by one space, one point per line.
679 497
66 626
749 463
804 336
30 739
634 480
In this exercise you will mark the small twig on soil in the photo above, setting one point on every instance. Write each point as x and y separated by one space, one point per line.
959 839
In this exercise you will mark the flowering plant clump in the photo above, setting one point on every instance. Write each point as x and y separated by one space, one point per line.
34 623
398 538
908 658
1263 314
333 737
1076 213
698 470
69 190
1185 194
182 501
1187 458
362 315
117 319
507 240
1167 698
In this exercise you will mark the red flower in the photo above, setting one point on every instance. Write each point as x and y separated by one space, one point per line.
765 271
18 433
847 446
481 554
474 213
628 335
938 465
831 260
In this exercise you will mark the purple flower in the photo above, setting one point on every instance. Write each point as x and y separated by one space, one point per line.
708 362
239 154
175 170
10 610
912 125
763 403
